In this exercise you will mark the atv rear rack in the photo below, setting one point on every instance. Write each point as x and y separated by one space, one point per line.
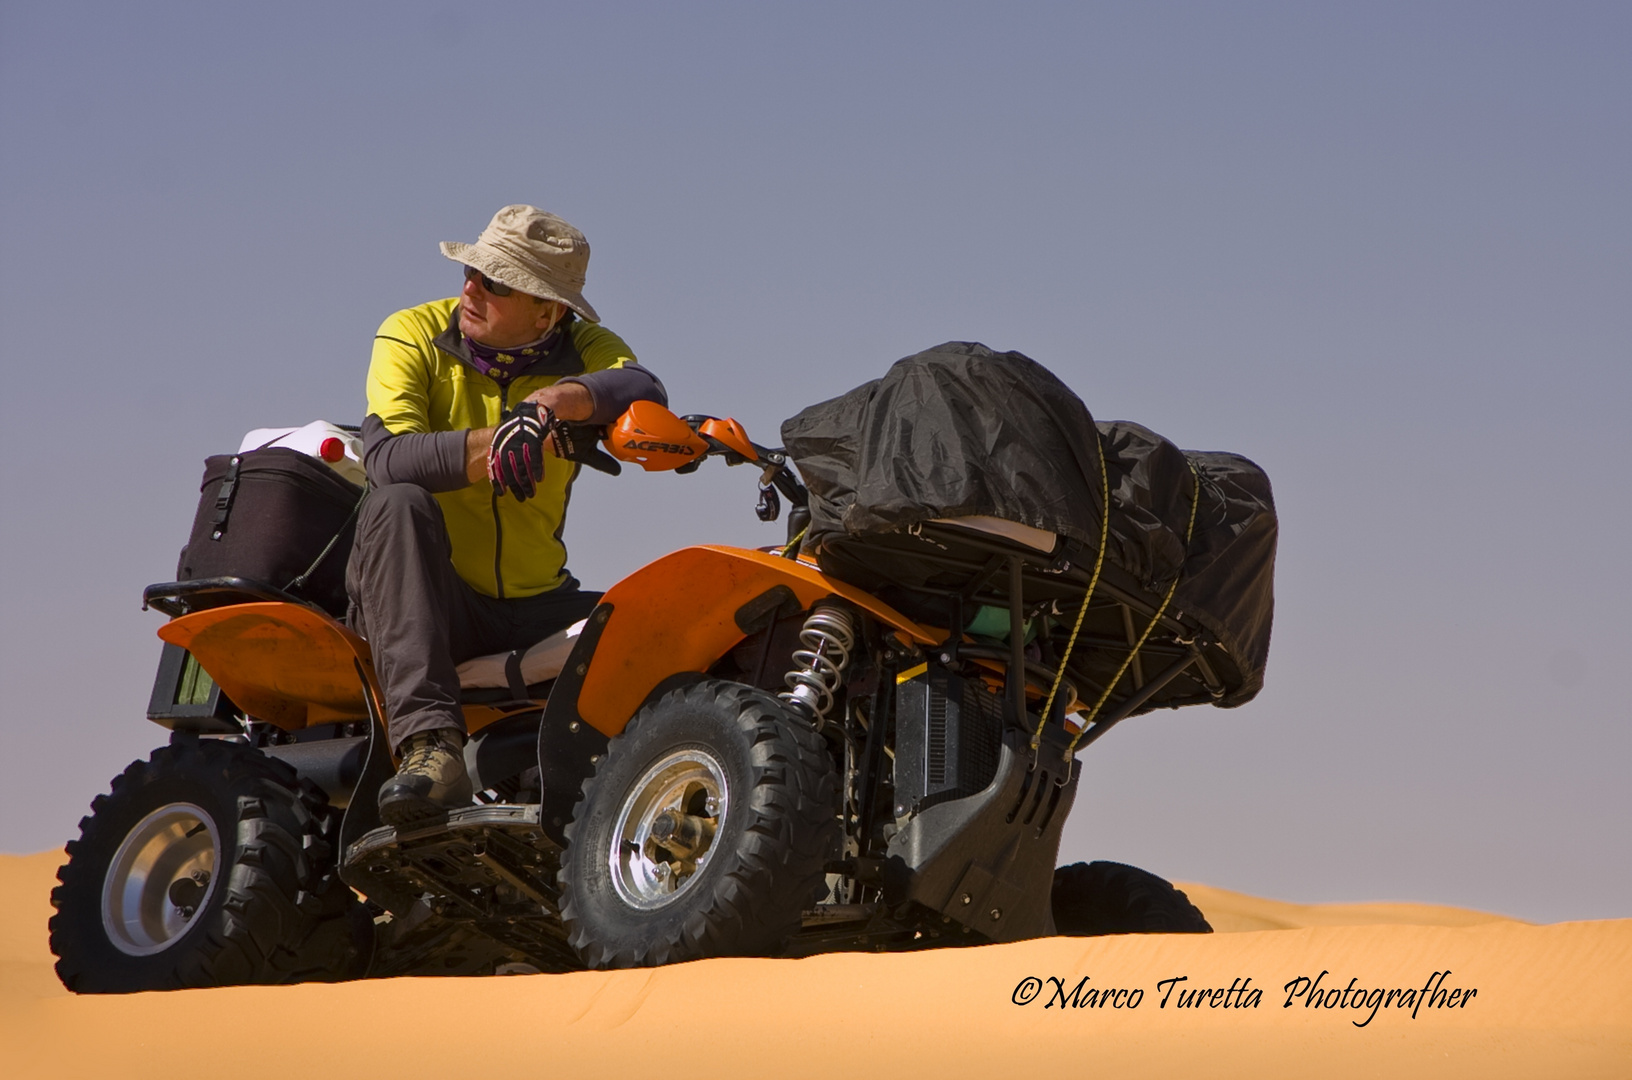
177 598
975 570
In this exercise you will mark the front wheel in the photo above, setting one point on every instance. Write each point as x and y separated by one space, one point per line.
1112 898
705 831
206 865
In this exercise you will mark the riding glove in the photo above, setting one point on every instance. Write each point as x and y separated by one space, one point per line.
581 443
515 457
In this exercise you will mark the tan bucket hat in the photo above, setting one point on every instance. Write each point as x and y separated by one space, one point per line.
531 251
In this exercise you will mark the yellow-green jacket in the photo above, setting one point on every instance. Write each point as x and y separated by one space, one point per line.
423 394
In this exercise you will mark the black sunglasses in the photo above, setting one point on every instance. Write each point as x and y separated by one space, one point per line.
494 287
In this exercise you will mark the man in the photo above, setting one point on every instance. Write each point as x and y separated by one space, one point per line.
477 407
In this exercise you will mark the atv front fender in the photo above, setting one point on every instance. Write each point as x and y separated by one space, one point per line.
681 614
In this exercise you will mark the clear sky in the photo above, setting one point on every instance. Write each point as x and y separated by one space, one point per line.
1383 249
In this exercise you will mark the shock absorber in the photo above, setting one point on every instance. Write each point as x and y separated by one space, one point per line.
828 637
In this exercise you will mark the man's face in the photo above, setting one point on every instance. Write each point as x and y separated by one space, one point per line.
503 322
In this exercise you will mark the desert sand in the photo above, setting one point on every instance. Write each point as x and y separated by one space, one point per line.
1551 1001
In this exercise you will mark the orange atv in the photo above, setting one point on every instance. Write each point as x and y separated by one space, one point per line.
737 753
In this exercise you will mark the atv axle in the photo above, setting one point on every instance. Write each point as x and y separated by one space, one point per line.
684 835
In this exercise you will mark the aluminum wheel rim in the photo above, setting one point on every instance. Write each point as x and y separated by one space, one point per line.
645 874
175 849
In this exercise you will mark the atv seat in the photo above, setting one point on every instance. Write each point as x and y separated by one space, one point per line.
519 671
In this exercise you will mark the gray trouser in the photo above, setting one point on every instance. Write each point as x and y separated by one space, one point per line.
420 617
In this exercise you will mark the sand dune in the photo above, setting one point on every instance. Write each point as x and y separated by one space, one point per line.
1233 912
1551 1001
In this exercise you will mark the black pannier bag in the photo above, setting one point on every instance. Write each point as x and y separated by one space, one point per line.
961 430
267 515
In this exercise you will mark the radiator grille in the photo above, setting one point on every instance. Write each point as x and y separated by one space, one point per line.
948 734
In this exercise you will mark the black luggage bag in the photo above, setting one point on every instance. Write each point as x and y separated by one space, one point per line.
278 517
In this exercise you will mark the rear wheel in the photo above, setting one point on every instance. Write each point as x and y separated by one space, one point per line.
705 831
1111 898
209 864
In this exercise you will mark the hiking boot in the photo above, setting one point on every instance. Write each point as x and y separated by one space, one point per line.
430 781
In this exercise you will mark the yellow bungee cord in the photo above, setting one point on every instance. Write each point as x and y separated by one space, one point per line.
1189 531
1093 583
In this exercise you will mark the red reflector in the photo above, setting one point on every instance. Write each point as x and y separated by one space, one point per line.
331 449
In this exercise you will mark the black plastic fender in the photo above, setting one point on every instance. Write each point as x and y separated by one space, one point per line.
987 860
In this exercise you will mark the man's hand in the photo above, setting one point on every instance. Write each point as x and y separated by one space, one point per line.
515 458
568 401
567 438
573 441
582 443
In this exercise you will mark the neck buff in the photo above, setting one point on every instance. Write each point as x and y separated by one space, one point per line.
502 365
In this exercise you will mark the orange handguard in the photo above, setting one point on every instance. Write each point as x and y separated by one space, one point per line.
655 438
730 434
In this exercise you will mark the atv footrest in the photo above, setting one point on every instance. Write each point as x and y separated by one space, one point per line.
830 914
490 868
497 849
873 927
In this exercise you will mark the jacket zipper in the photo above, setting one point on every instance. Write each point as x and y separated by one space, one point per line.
498 527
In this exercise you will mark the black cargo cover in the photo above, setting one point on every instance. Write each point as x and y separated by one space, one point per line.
962 430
